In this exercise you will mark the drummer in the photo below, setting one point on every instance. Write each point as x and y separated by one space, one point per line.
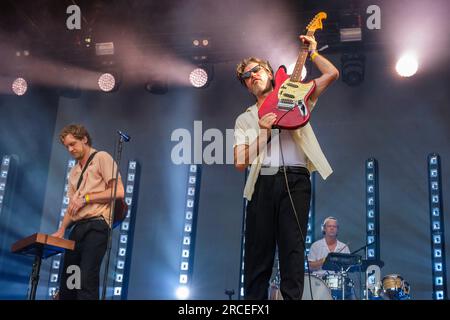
318 253
329 243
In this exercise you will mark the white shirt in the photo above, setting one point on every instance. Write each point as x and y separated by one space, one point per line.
292 155
247 129
320 250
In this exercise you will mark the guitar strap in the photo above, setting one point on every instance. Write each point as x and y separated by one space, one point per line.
117 216
84 169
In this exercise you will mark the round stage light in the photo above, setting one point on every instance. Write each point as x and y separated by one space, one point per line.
106 82
19 86
407 65
198 77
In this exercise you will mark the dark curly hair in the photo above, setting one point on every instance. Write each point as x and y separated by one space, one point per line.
77 130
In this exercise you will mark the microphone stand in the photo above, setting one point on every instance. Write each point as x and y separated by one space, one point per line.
229 293
360 271
366 291
363 247
111 213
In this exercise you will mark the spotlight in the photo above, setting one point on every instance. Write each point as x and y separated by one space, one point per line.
19 86
104 48
350 27
201 58
201 42
107 82
22 53
198 77
201 76
407 65
182 293
353 66
201 47
87 41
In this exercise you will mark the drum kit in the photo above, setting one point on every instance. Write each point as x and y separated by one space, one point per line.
393 287
337 285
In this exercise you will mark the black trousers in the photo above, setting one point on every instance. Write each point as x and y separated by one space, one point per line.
91 239
270 221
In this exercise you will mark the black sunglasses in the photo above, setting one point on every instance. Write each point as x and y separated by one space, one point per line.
248 74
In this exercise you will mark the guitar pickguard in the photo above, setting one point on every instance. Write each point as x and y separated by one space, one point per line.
292 94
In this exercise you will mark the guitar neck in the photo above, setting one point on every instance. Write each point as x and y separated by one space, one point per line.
297 73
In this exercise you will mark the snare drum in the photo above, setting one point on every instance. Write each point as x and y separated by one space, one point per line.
334 282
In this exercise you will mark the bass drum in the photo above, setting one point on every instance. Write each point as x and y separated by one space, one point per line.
320 291
318 288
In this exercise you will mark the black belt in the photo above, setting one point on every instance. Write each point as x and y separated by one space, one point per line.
290 169
89 220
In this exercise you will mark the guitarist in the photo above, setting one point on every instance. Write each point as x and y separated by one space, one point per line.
270 218
91 182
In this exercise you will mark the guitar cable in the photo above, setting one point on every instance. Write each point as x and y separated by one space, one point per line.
275 126
302 238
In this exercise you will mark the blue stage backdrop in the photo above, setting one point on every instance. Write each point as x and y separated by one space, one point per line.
396 121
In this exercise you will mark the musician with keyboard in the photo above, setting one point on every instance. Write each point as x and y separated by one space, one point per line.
91 185
278 186
329 243
320 250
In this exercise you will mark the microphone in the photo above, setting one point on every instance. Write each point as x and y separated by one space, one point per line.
124 136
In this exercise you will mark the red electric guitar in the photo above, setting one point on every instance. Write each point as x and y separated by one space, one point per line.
289 99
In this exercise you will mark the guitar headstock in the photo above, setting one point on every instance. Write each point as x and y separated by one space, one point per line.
316 22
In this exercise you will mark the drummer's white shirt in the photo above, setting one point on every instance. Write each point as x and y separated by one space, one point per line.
320 250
